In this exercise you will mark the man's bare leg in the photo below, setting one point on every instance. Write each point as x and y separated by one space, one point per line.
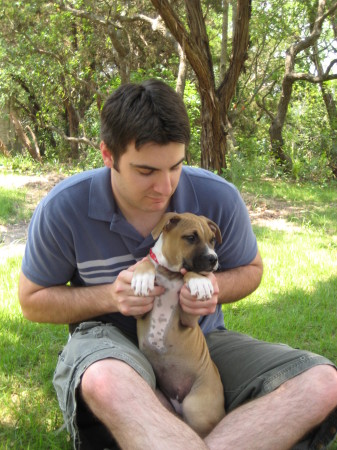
129 408
280 419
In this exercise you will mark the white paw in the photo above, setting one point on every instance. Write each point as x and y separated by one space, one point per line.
201 287
142 283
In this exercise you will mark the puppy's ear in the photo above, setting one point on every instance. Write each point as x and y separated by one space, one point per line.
167 222
216 230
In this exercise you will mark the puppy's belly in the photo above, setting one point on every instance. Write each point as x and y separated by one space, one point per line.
153 329
174 378
162 340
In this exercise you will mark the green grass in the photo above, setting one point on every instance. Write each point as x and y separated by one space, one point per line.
290 190
295 304
296 301
29 414
12 205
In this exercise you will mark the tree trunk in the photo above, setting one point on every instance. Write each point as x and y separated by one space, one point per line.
290 76
34 151
73 128
330 106
4 149
36 144
213 137
181 78
214 104
276 128
224 40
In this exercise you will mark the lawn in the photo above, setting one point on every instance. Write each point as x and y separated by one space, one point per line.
295 304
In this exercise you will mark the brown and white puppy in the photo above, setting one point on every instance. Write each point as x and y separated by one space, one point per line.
170 338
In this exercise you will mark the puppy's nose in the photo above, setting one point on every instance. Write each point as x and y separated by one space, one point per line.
213 259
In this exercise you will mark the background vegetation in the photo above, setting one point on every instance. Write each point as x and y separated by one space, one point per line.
59 60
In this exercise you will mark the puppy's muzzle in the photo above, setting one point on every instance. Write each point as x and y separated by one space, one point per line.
202 263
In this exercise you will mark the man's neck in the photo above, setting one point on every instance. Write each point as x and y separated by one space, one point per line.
144 222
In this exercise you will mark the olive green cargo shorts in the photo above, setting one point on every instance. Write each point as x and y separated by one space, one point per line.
249 369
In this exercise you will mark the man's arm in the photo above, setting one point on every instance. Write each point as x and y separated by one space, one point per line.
236 284
229 286
65 304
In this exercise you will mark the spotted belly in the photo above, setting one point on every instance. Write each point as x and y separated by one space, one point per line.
161 321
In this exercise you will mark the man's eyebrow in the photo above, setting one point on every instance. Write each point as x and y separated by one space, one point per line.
144 166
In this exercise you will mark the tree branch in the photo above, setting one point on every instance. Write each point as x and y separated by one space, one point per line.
193 52
310 78
80 140
107 23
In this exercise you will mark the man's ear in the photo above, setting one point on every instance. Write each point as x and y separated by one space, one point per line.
106 155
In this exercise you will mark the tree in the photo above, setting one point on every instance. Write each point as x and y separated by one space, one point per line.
291 76
59 61
38 66
214 101
329 102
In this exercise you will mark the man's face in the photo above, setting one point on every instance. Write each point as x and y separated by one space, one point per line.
146 178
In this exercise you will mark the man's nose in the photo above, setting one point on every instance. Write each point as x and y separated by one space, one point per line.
163 184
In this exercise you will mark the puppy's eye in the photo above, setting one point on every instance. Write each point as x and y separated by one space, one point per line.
212 241
191 238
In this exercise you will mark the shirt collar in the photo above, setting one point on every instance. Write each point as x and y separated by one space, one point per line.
102 205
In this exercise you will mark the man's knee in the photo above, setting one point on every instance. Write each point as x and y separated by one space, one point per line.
107 380
320 384
326 382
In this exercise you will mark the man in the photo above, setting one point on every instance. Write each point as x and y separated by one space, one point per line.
91 230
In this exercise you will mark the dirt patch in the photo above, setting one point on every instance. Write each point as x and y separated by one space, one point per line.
272 213
13 236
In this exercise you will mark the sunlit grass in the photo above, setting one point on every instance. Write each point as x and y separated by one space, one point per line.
12 207
296 302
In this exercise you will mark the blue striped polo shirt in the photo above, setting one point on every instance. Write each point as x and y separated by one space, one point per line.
78 235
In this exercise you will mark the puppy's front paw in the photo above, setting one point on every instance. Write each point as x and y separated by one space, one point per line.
201 287
142 283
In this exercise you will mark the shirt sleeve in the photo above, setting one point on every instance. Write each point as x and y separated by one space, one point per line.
239 245
49 258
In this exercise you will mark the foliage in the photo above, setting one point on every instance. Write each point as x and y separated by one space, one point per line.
59 60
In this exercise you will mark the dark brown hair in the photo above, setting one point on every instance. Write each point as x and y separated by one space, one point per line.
147 112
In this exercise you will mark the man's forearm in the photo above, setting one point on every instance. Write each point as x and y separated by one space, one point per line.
235 284
65 304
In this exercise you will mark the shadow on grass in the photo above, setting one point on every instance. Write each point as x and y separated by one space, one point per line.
22 437
30 414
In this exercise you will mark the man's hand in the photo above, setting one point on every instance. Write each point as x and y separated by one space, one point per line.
190 303
126 301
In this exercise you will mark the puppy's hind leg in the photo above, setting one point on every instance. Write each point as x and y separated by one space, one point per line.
203 408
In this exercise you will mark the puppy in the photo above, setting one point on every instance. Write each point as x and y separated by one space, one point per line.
170 338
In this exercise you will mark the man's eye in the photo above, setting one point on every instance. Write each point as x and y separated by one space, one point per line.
145 173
